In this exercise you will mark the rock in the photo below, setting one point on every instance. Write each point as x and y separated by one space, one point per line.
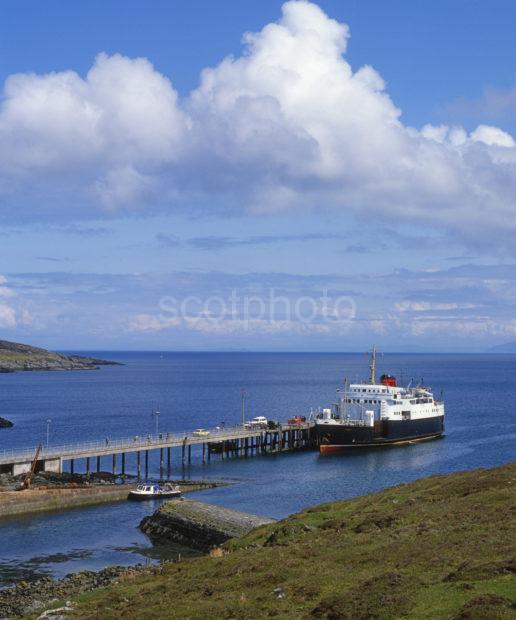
198 525
5 423
61 613
34 606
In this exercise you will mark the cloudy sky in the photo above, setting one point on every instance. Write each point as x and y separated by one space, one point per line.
237 175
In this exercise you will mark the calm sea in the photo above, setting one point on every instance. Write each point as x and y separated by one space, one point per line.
203 390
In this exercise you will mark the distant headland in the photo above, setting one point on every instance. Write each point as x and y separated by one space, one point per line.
15 357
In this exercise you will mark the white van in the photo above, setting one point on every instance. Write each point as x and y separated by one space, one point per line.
258 422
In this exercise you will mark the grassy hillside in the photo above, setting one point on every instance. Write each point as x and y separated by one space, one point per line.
442 547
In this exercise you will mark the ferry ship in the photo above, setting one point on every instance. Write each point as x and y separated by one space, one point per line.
379 414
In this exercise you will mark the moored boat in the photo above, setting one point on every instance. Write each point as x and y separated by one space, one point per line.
154 491
379 414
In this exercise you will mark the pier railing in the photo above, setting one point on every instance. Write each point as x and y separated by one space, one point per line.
134 443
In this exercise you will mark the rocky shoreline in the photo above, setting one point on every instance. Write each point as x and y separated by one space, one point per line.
25 597
190 523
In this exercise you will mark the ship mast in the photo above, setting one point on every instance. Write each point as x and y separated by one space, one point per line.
343 411
373 365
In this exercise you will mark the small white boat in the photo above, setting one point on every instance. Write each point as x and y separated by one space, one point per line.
154 491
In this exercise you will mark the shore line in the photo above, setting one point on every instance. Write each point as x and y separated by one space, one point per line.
199 525
13 503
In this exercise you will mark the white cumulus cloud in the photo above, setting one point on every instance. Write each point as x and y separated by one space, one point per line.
492 136
289 124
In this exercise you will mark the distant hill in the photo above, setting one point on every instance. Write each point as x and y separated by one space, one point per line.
15 356
508 347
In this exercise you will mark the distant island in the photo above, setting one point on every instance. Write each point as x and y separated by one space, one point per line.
15 357
508 347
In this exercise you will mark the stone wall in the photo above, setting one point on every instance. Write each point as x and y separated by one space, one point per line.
198 525
37 500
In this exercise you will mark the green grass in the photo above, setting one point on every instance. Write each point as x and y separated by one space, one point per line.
438 548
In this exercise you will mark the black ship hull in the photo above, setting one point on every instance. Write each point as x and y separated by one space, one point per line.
335 437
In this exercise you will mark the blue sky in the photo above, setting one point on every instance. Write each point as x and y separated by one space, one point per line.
361 151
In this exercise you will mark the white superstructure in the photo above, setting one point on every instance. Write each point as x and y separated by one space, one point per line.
384 402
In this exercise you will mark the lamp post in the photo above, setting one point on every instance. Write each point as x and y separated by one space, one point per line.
243 407
156 415
48 431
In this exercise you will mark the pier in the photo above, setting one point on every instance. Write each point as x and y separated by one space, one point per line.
222 443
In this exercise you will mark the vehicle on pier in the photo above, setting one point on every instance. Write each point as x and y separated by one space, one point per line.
260 422
154 491
297 419
200 432
379 414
